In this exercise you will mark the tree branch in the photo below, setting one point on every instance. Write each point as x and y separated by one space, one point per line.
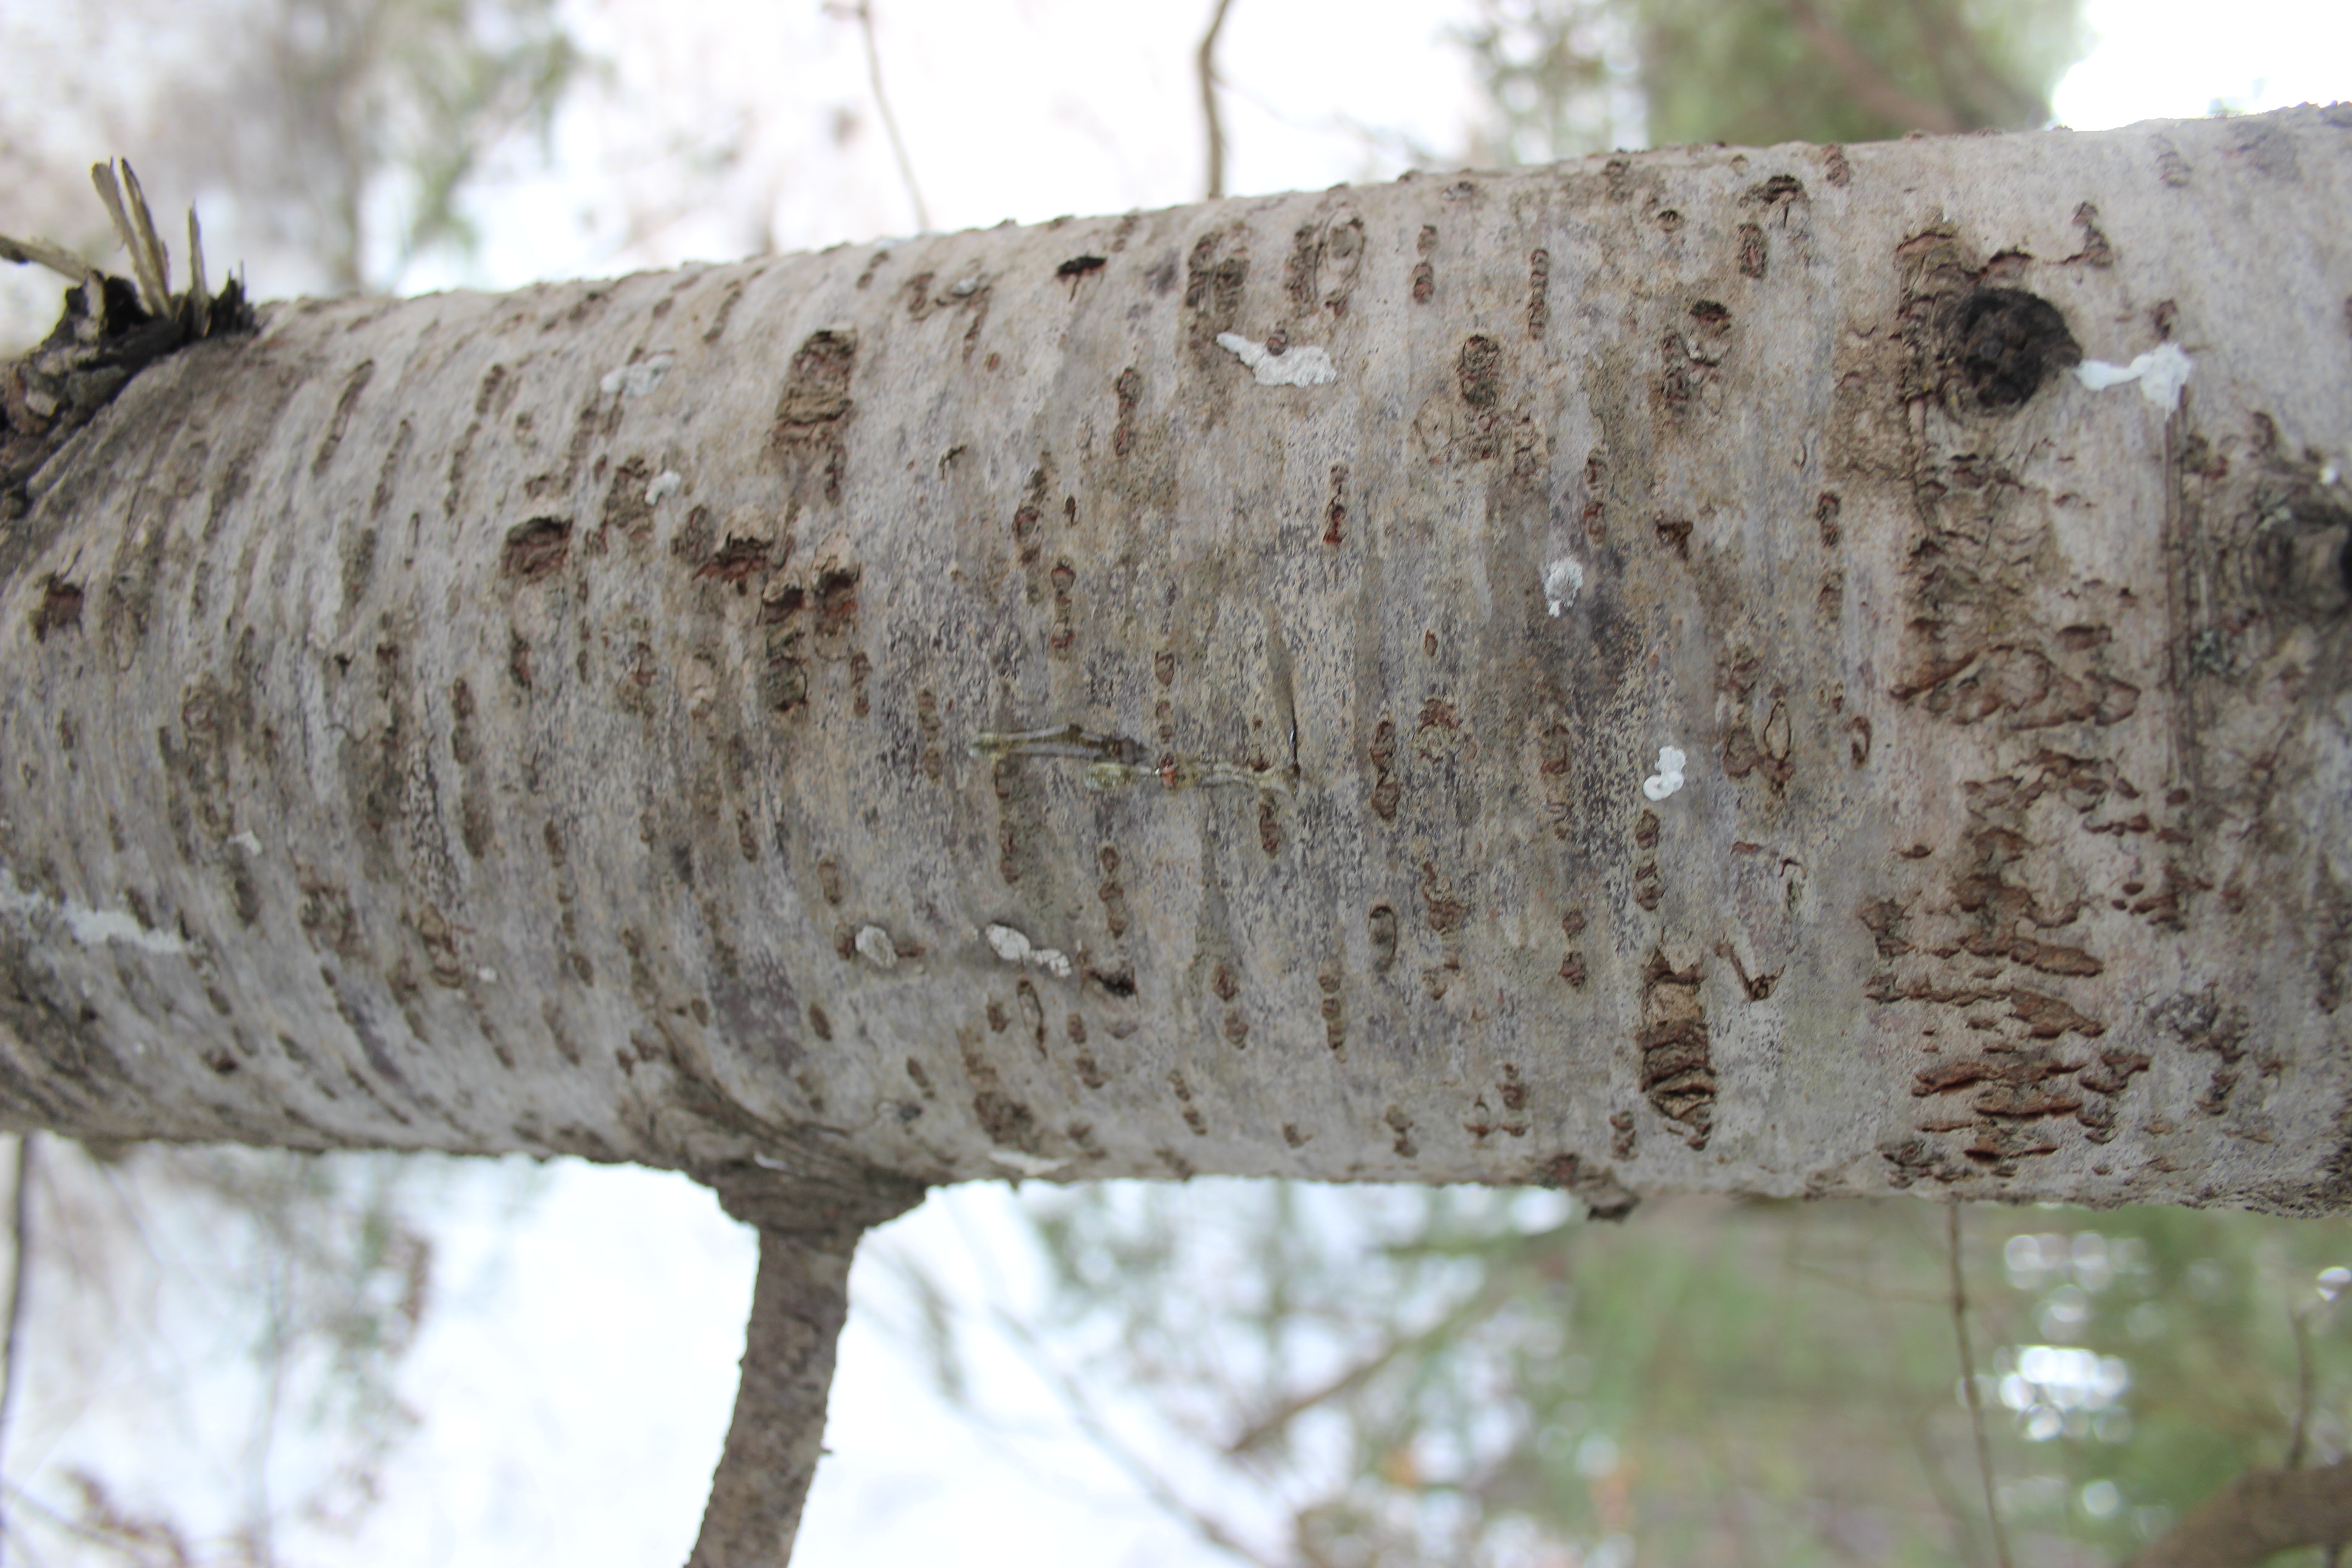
1872 87
1209 101
2260 1512
808 1235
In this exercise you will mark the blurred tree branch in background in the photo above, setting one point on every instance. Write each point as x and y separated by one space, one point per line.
350 128
1397 1378
1571 77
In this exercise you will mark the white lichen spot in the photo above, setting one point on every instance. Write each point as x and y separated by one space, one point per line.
245 841
666 484
1306 365
1013 948
90 927
1026 1164
1669 776
486 975
2161 372
1562 580
876 944
637 380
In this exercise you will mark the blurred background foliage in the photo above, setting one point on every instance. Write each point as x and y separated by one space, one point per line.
1404 1376
254 1305
1571 77
346 130
1479 1377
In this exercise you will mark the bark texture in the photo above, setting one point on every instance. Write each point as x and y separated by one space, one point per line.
1186 692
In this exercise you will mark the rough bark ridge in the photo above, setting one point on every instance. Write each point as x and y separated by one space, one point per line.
1187 692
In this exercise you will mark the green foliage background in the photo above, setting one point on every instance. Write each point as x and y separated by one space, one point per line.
1571 77
1472 1377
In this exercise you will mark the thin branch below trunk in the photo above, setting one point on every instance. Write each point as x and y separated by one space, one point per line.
1209 101
799 1303
808 1222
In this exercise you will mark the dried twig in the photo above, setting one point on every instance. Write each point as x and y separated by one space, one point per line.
1968 1383
45 253
149 267
200 295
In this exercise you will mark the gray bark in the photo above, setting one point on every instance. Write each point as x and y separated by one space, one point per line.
563 720
560 722
971 706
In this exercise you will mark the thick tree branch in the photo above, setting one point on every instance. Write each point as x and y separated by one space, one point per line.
2260 1512
608 771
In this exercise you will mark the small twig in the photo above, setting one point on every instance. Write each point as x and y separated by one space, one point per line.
20 1271
136 235
864 14
45 253
1969 1382
199 296
1209 101
158 261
